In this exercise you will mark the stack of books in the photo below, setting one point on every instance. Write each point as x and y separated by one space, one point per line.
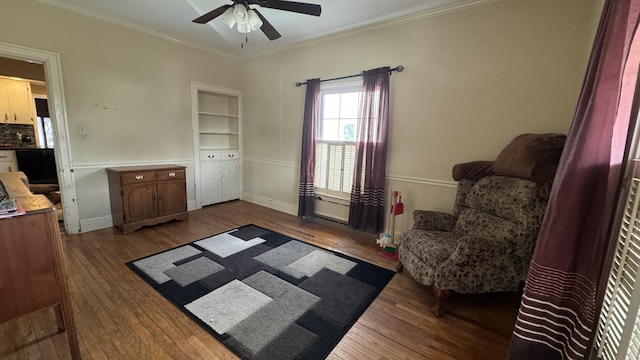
8 207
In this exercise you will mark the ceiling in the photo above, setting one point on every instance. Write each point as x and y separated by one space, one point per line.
173 19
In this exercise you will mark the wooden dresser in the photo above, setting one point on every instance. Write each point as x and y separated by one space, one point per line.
147 195
32 271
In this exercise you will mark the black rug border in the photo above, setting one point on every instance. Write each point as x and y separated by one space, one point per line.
389 273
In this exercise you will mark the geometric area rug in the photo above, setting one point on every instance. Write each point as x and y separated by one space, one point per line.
263 294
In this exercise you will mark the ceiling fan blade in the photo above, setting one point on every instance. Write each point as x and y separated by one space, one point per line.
298 7
211 15
267 28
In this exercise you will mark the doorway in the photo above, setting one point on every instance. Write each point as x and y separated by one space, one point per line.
55 95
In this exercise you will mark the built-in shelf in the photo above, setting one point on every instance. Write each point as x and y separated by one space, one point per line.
217 121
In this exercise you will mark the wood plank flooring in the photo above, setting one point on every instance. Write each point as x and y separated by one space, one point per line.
119 316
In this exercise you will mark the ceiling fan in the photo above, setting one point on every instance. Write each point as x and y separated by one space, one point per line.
249 19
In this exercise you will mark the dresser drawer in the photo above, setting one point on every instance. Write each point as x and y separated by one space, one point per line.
170 175
137 177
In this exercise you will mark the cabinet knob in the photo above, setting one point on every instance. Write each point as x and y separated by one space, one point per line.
15 118
139 177
172 174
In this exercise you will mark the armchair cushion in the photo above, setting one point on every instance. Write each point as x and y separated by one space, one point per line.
475 223
433 220
531 156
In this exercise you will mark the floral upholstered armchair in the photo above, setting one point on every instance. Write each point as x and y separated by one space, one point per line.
487 243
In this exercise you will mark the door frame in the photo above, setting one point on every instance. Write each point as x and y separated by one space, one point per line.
58 115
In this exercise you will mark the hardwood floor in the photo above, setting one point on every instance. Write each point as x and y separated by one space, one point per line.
119 316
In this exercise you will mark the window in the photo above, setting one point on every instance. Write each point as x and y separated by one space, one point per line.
618 330
44 126
336 136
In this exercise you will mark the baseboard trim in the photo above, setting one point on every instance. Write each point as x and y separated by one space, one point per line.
270 203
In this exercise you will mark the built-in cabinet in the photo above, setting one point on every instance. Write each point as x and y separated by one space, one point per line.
219 174
147 195
16 102
217 122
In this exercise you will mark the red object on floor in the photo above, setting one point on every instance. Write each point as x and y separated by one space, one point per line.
388 255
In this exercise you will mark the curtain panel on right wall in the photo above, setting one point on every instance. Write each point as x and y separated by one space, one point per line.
559 307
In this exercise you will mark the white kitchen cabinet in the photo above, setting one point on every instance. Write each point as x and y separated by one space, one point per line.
8 162
16 102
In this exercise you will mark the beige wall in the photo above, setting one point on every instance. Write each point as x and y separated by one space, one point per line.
130 90
474 79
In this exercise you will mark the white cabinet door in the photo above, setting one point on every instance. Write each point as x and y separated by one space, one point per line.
5 111
21 102
210 182
230 180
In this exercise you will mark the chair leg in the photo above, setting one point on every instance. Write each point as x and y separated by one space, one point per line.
399 268
441 296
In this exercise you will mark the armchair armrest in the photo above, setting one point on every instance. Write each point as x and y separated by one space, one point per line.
471 248
433 220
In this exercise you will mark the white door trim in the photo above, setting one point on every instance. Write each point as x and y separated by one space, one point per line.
55 96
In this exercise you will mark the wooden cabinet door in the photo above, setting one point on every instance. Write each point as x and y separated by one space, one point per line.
139 202
21 102
28 280
172 197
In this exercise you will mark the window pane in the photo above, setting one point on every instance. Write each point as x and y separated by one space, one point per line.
48 129
330 129
349 105
348 130
331 106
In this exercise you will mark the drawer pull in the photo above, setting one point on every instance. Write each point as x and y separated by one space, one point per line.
211 156
172 174
139 177
230 155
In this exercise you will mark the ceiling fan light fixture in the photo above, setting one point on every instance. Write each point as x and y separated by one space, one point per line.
228 17
254 20
244 28
240 14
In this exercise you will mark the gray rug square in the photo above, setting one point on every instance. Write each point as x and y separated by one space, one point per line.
286 254
228 305
193 271
155 266
225 245
331 287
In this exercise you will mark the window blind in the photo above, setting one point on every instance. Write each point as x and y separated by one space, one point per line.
618 333
335 163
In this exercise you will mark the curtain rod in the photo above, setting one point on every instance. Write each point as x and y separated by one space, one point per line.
398 68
